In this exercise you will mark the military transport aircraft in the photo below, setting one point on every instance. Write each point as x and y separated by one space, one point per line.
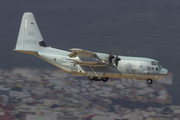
97 66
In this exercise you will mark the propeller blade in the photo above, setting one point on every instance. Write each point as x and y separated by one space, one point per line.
111 56
117 59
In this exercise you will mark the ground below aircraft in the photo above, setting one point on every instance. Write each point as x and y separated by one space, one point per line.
97 66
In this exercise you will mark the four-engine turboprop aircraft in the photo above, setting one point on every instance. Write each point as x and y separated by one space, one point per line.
97 66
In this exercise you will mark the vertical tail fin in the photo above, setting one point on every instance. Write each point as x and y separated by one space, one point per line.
29 38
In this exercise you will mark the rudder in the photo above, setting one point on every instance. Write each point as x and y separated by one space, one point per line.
29 38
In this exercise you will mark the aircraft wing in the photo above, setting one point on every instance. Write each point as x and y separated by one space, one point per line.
80 52
86 58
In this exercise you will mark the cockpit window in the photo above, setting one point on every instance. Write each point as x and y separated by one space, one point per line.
155 63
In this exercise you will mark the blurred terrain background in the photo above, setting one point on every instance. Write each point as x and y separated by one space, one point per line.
151 28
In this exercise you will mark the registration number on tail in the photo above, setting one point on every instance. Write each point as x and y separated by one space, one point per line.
30 41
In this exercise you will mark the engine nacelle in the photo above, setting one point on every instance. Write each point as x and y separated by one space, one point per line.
85 60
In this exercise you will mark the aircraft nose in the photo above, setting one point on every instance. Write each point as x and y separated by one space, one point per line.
163 71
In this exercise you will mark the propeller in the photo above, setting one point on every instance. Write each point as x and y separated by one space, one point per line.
117 59
111 56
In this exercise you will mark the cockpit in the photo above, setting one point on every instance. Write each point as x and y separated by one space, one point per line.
155 63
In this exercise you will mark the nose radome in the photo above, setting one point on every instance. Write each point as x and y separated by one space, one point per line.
163 71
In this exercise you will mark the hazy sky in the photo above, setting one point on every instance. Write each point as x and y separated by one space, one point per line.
149 27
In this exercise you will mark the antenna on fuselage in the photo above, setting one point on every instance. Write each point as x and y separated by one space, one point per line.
128 53
134 53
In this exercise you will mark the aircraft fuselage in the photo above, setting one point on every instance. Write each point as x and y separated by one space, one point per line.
128 67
